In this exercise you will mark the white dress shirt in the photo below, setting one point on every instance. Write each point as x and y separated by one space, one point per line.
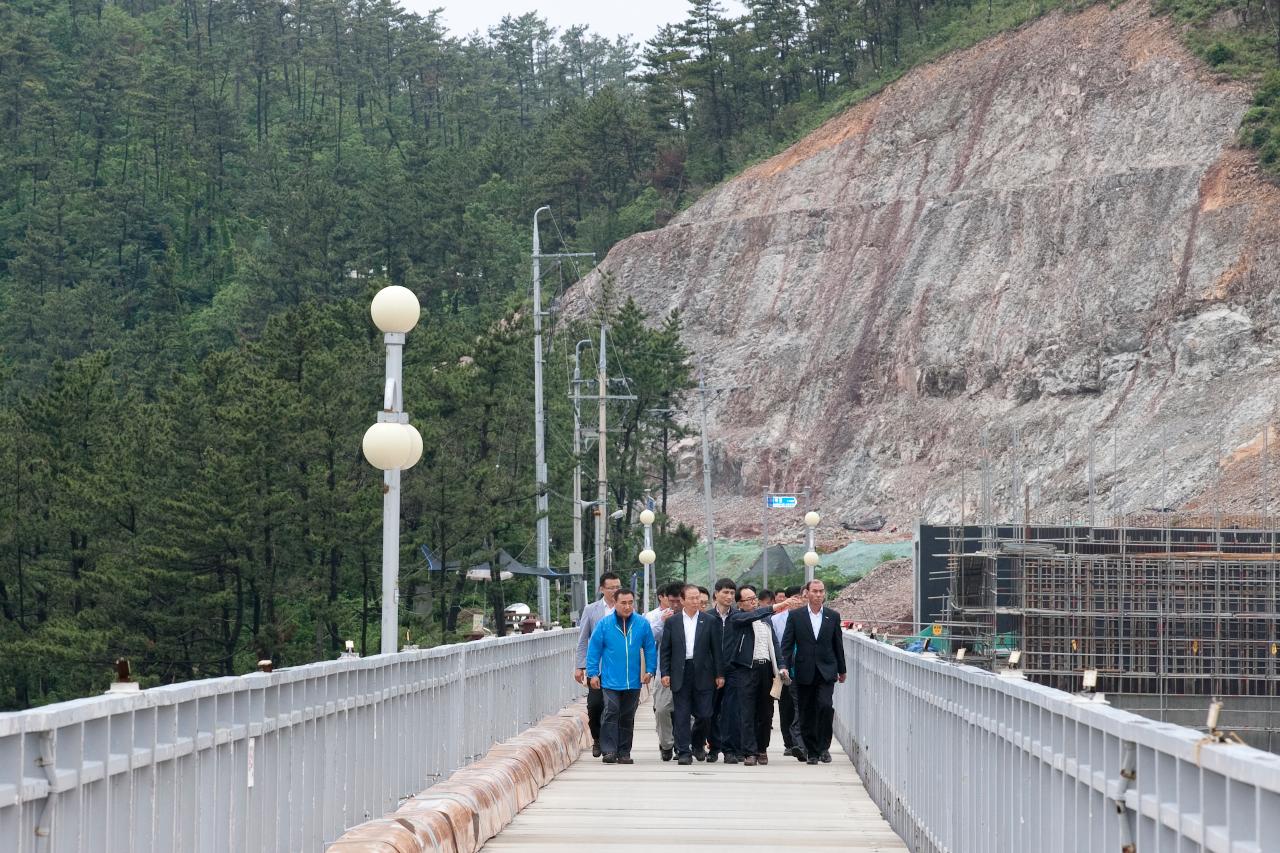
815 619
764 637
690 630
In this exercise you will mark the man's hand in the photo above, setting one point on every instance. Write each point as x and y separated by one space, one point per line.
646 677
719 683
667 614
666 681
580 676
840 678
784 675
595 683
795 602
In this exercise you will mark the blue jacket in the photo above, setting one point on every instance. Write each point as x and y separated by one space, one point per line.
615 656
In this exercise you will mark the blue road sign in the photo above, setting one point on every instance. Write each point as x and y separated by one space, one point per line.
780 501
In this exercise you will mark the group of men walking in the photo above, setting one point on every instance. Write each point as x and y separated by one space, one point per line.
715 670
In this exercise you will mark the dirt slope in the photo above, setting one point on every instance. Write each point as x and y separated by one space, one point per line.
1049 232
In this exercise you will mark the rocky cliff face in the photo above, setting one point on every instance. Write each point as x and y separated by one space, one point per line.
1049 233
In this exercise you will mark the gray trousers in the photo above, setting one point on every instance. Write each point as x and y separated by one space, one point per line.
663 705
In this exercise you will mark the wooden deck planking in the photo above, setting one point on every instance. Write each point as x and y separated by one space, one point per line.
786 806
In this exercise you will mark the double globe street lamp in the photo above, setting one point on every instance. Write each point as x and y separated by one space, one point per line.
647 555
392 444
811 559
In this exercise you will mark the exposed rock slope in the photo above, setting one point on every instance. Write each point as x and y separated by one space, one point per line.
1050 231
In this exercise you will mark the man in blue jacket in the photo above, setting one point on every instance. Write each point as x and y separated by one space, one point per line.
614 667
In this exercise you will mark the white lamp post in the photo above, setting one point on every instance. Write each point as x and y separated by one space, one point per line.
647 556
392 444
811 559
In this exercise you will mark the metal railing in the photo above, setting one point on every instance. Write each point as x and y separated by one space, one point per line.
962 760
267 761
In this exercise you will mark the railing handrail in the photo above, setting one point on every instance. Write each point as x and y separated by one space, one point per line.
960 758
285 760
105 704
1236 760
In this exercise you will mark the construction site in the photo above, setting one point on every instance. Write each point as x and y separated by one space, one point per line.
1169 610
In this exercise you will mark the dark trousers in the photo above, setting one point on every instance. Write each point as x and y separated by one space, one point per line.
595 705
737 686
762 713
710 731
788 717
754 706
689 705
618 722
816 715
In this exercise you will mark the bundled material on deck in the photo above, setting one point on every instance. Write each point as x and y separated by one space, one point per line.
463 812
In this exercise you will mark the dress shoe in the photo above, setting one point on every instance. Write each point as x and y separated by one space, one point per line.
800 754
666 754
825 758
749 761
625 759
610 759
685 759
762 759
809 761
730 759
700 755
711 757
595 750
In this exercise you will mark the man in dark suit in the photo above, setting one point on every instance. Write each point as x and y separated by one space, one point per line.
692 666
813 649
750 661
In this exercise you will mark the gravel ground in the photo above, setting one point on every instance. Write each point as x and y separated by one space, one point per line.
882 599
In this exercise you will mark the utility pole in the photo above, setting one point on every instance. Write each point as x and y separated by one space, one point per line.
539 432
575 557
602 492
539 423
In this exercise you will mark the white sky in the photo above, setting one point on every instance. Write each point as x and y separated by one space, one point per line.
639 18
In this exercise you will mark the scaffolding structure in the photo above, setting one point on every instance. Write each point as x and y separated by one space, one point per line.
1179 609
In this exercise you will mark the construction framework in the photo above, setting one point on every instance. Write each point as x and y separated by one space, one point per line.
1183 608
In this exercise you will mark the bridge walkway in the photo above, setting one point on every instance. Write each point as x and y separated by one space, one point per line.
785 806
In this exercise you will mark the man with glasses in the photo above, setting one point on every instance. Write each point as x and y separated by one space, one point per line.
592 614
751 663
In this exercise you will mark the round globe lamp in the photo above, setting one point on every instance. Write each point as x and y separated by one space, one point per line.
387 446
395 309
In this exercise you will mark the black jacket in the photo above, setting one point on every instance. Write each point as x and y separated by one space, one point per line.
740 634
708 660
813 660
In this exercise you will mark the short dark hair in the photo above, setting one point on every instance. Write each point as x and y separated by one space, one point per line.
793 591
626 590
675 589
608 576
767 593
725 583
808 584
703 590
744 588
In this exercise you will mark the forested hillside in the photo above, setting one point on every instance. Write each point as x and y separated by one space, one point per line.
197 200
